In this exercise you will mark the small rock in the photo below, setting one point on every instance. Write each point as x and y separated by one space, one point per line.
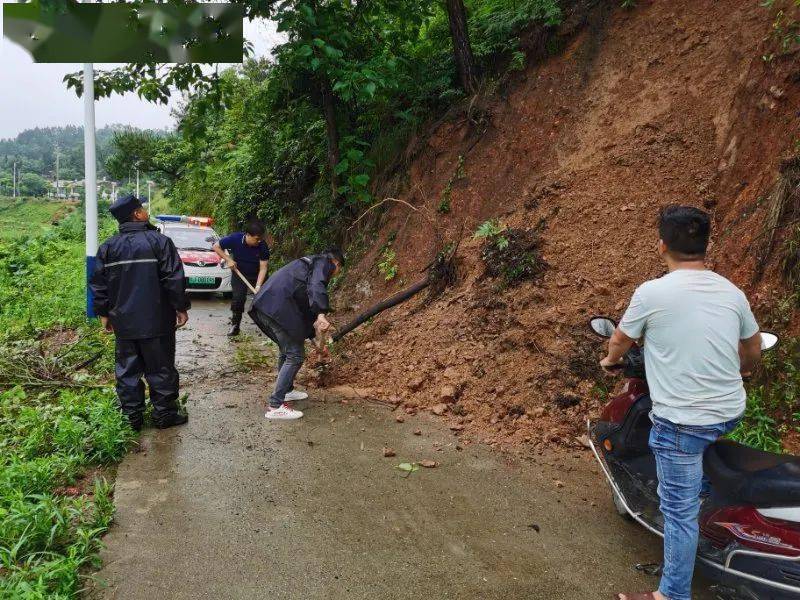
447 393
535 527
417 432
559 483
538 412
428 464
400 419
456 427
415 384
439 409
388 452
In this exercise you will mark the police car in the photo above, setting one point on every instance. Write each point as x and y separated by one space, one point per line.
194 238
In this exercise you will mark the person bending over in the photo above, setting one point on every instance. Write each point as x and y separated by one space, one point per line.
291 308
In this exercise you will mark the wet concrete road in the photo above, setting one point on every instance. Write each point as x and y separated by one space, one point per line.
235 506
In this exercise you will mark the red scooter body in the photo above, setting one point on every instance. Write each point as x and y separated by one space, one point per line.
749 525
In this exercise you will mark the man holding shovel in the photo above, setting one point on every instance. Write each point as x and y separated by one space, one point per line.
289 309
248 260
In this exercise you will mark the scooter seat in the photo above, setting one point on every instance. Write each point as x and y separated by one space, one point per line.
749 476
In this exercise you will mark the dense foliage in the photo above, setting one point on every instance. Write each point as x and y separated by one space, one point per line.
58 417
305 139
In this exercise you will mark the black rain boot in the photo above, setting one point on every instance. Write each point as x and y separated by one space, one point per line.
236 321
172 421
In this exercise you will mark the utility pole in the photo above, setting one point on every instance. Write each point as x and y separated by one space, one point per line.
14 182
113 191
137 182
90 173
149 183
58 181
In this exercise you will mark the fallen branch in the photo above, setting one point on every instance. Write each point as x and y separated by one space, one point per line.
399 297
441 273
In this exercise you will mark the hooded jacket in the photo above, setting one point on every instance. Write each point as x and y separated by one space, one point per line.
138 282
296 294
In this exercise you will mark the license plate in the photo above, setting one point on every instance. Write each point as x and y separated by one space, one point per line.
202 280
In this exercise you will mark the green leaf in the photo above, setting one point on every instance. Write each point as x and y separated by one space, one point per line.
361 180
305 50
408 467
315 62
355 155
342 167
319 43
369 89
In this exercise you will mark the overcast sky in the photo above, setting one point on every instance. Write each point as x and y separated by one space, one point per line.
33 95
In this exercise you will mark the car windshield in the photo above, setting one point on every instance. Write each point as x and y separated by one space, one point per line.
186 238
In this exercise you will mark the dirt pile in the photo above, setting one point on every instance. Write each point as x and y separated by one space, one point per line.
670 102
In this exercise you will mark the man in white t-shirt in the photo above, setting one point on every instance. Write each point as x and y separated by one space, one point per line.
699 337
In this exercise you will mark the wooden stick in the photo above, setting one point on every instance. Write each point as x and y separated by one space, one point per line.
247 283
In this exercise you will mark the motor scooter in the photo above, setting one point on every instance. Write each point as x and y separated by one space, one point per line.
749 524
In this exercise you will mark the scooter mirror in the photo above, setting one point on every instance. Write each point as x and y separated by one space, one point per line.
603 326
768 340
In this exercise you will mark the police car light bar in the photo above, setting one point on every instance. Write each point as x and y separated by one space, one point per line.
202 221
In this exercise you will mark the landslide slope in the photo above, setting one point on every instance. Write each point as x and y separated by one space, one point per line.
668 102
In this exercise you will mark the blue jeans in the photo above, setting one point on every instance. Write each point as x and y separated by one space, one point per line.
679 463
290 359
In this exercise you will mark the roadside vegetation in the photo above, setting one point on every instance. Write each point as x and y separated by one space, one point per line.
26 217
304 140
60 429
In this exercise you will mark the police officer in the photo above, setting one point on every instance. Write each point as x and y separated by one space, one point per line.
290 308
140 296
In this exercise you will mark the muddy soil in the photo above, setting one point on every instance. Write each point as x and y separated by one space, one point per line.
671 102
234 506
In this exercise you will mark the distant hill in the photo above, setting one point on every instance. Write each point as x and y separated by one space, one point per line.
34 150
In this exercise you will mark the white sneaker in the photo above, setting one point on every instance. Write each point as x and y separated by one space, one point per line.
295 395
284 413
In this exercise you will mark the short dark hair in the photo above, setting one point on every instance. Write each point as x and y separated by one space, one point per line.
255 228
685 230
336 253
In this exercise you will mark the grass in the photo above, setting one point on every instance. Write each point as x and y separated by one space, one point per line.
252 355
25 217
773 400
60 426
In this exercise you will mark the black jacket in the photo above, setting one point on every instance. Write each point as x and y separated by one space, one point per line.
138 282
296 294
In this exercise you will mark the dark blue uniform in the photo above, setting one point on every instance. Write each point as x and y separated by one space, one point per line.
285 310
296 294
248 262
139 284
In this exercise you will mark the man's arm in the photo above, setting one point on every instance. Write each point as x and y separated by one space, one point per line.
99 286
318 299
618 345
750 353
173 279
263 266
217 247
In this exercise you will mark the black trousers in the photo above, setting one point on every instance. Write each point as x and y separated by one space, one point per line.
239 294
154 360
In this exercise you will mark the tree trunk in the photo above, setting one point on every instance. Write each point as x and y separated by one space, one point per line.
329 110
462 50
399 297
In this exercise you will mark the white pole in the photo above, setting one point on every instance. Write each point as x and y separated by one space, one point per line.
149 183
90 169
137 182
14 182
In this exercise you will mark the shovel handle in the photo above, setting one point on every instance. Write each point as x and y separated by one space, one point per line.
247 283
